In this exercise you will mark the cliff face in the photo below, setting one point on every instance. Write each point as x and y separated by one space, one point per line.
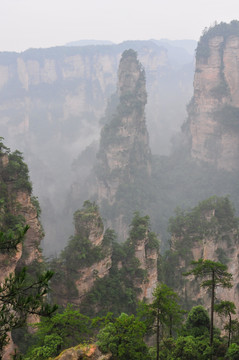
89 225
124 156
209 231
124 147
17 207
213 121
147 256
64 87
86 258
51 101
99 275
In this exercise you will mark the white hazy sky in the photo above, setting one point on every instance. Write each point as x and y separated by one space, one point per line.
44 23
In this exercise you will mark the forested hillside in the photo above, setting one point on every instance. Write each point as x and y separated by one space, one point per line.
149 269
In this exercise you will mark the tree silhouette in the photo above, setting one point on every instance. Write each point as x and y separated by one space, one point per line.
214 274
226 309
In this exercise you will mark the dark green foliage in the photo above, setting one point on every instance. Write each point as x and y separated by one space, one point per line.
166 313
14 176
16 172
214 217
233 352
87 218
61 331
190 348
235 330
9 240
197 323
24 292
19 297
124 338
140 229
195 224
118 291
3 148
80 251
226 309
213 275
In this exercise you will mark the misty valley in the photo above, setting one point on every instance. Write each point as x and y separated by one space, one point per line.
119 200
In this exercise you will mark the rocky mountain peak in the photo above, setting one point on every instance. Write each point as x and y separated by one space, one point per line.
124 155
131 80
124 145
213 121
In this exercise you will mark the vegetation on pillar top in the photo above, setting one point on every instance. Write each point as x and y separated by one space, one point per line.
15 172
223 29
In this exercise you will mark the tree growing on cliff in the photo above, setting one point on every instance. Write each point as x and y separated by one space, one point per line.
20 296
226 309
215 275
166 312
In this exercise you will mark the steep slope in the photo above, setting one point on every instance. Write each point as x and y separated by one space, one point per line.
51 101
99 275
209 231
124 144
214 109
17 207
124 155
86 257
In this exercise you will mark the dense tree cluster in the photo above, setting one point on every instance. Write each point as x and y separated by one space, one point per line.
125 327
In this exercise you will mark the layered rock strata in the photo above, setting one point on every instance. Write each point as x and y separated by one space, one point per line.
124 156
213 113
124 145
84 259
210 231
18 204
148 259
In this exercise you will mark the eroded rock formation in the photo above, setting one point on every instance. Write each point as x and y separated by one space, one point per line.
210 231
146 250
82 352
124 146
93 266
17 207
85 258
51 101
124 155
213 121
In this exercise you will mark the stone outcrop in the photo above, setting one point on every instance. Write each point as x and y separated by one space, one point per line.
85 258
51 101
66 84
148 259
213 114
20 204
124 156
83 352
124 145
90 256
17 203
210 231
